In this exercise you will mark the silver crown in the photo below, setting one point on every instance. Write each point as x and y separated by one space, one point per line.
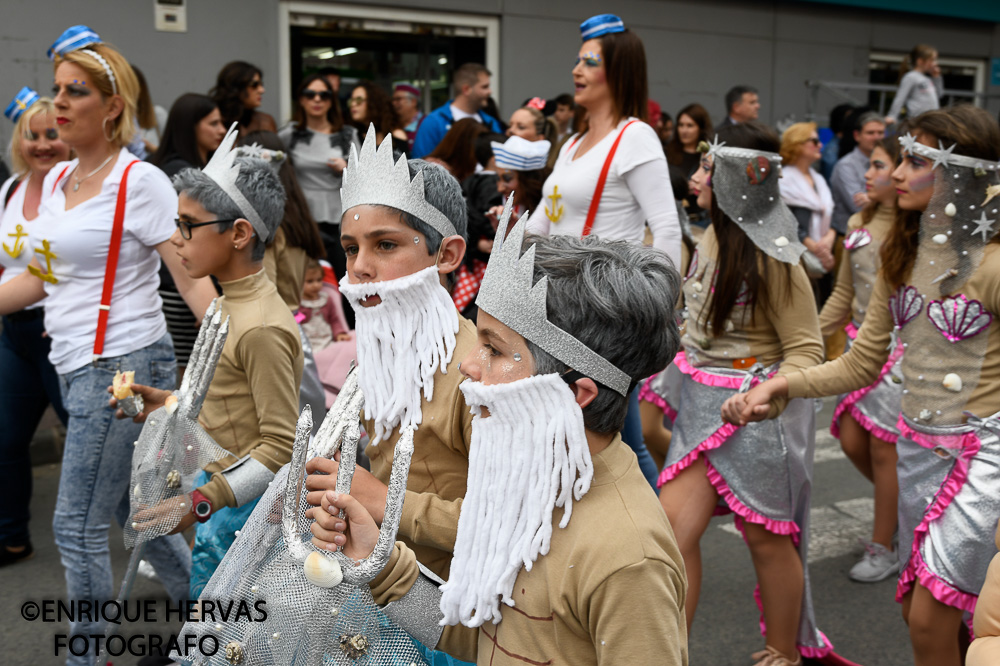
372 178
508 295
222 168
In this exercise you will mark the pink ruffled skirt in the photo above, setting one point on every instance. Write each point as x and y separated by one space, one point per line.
875 407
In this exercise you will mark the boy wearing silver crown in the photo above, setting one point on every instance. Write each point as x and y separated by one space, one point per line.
226 215
547 383
403 232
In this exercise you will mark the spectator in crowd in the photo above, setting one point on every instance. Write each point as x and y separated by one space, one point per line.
563 115
472 91
521 173
850 194
493 110
807 195
332 76
530 123
920 85
152 118
191 134
457 151
839 119
239 92
370 106
742 105
406 104
482 192
694 125
28 382
319 143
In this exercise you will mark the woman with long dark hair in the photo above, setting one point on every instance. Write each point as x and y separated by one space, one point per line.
193 131
750 314
239 92
694 125
370 105
457 150
319 144
937 294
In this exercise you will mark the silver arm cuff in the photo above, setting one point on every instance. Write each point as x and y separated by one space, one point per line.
247 478
418 612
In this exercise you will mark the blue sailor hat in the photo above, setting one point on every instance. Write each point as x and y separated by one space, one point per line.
74 38
602 24
24 99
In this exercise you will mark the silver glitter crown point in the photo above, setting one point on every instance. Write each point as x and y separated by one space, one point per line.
508 295
373 178
224 170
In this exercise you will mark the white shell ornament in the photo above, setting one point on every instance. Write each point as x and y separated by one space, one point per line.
925 414
322 571
950 210
952 382
940 239
781 241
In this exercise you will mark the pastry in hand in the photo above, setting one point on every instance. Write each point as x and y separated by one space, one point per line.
121 388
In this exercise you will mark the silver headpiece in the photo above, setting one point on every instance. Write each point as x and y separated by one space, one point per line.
745 183
507 293
961 217
319 606
222 168
372 178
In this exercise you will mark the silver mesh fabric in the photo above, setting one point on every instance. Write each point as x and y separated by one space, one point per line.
951 331
306 624
745 183
173 448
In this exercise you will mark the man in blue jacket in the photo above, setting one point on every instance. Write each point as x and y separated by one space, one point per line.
472 90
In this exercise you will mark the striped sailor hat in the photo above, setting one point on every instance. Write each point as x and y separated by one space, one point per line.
74 38
520 154
602 24
24 99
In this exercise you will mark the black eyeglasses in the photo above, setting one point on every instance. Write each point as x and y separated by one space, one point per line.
814 141
313 94
185 227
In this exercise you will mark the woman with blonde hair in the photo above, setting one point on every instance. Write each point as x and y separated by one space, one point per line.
104 224
807 195
28 383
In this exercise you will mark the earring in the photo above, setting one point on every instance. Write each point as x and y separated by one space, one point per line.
104 129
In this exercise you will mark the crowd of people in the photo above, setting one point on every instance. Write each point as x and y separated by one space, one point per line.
591 314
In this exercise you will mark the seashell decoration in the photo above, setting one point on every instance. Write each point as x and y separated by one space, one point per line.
170 404
355 646
322 571
137 491
940 239
781 241
234 653
857 239
173 479
925 414
952 382
950 210
957 318
697 286
904 305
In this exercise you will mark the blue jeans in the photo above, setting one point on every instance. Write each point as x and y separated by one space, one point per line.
96 466
632 435
28 384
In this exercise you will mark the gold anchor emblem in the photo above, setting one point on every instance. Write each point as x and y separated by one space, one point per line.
18 234
556 213
49 256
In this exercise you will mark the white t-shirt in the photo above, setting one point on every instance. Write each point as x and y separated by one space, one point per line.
458 114
78 246
624 210
16 253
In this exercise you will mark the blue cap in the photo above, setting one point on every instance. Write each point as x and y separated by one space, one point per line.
74 38
25 98
602 24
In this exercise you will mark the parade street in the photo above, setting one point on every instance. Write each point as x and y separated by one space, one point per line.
863 621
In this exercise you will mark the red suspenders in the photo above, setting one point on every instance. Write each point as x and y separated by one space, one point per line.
111 267
595 202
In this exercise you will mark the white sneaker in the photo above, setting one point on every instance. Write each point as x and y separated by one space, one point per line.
877 563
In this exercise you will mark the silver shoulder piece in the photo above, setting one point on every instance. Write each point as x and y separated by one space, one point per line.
319 607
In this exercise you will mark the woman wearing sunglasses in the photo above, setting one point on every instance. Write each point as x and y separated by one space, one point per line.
319 142
239 92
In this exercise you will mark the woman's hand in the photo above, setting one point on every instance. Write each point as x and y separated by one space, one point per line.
164 512
355 537
337 164
152 399
744 408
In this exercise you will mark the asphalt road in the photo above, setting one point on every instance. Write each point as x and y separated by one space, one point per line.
862 621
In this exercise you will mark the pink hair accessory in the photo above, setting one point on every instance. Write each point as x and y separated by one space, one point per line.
536 103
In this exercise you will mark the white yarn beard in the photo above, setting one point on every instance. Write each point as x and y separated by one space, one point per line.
402 342
527 457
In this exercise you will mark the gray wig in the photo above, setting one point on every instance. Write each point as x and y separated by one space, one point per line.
616 297
442 191
259 184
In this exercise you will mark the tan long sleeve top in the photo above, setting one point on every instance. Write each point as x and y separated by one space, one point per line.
573 607
253 402
440 465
